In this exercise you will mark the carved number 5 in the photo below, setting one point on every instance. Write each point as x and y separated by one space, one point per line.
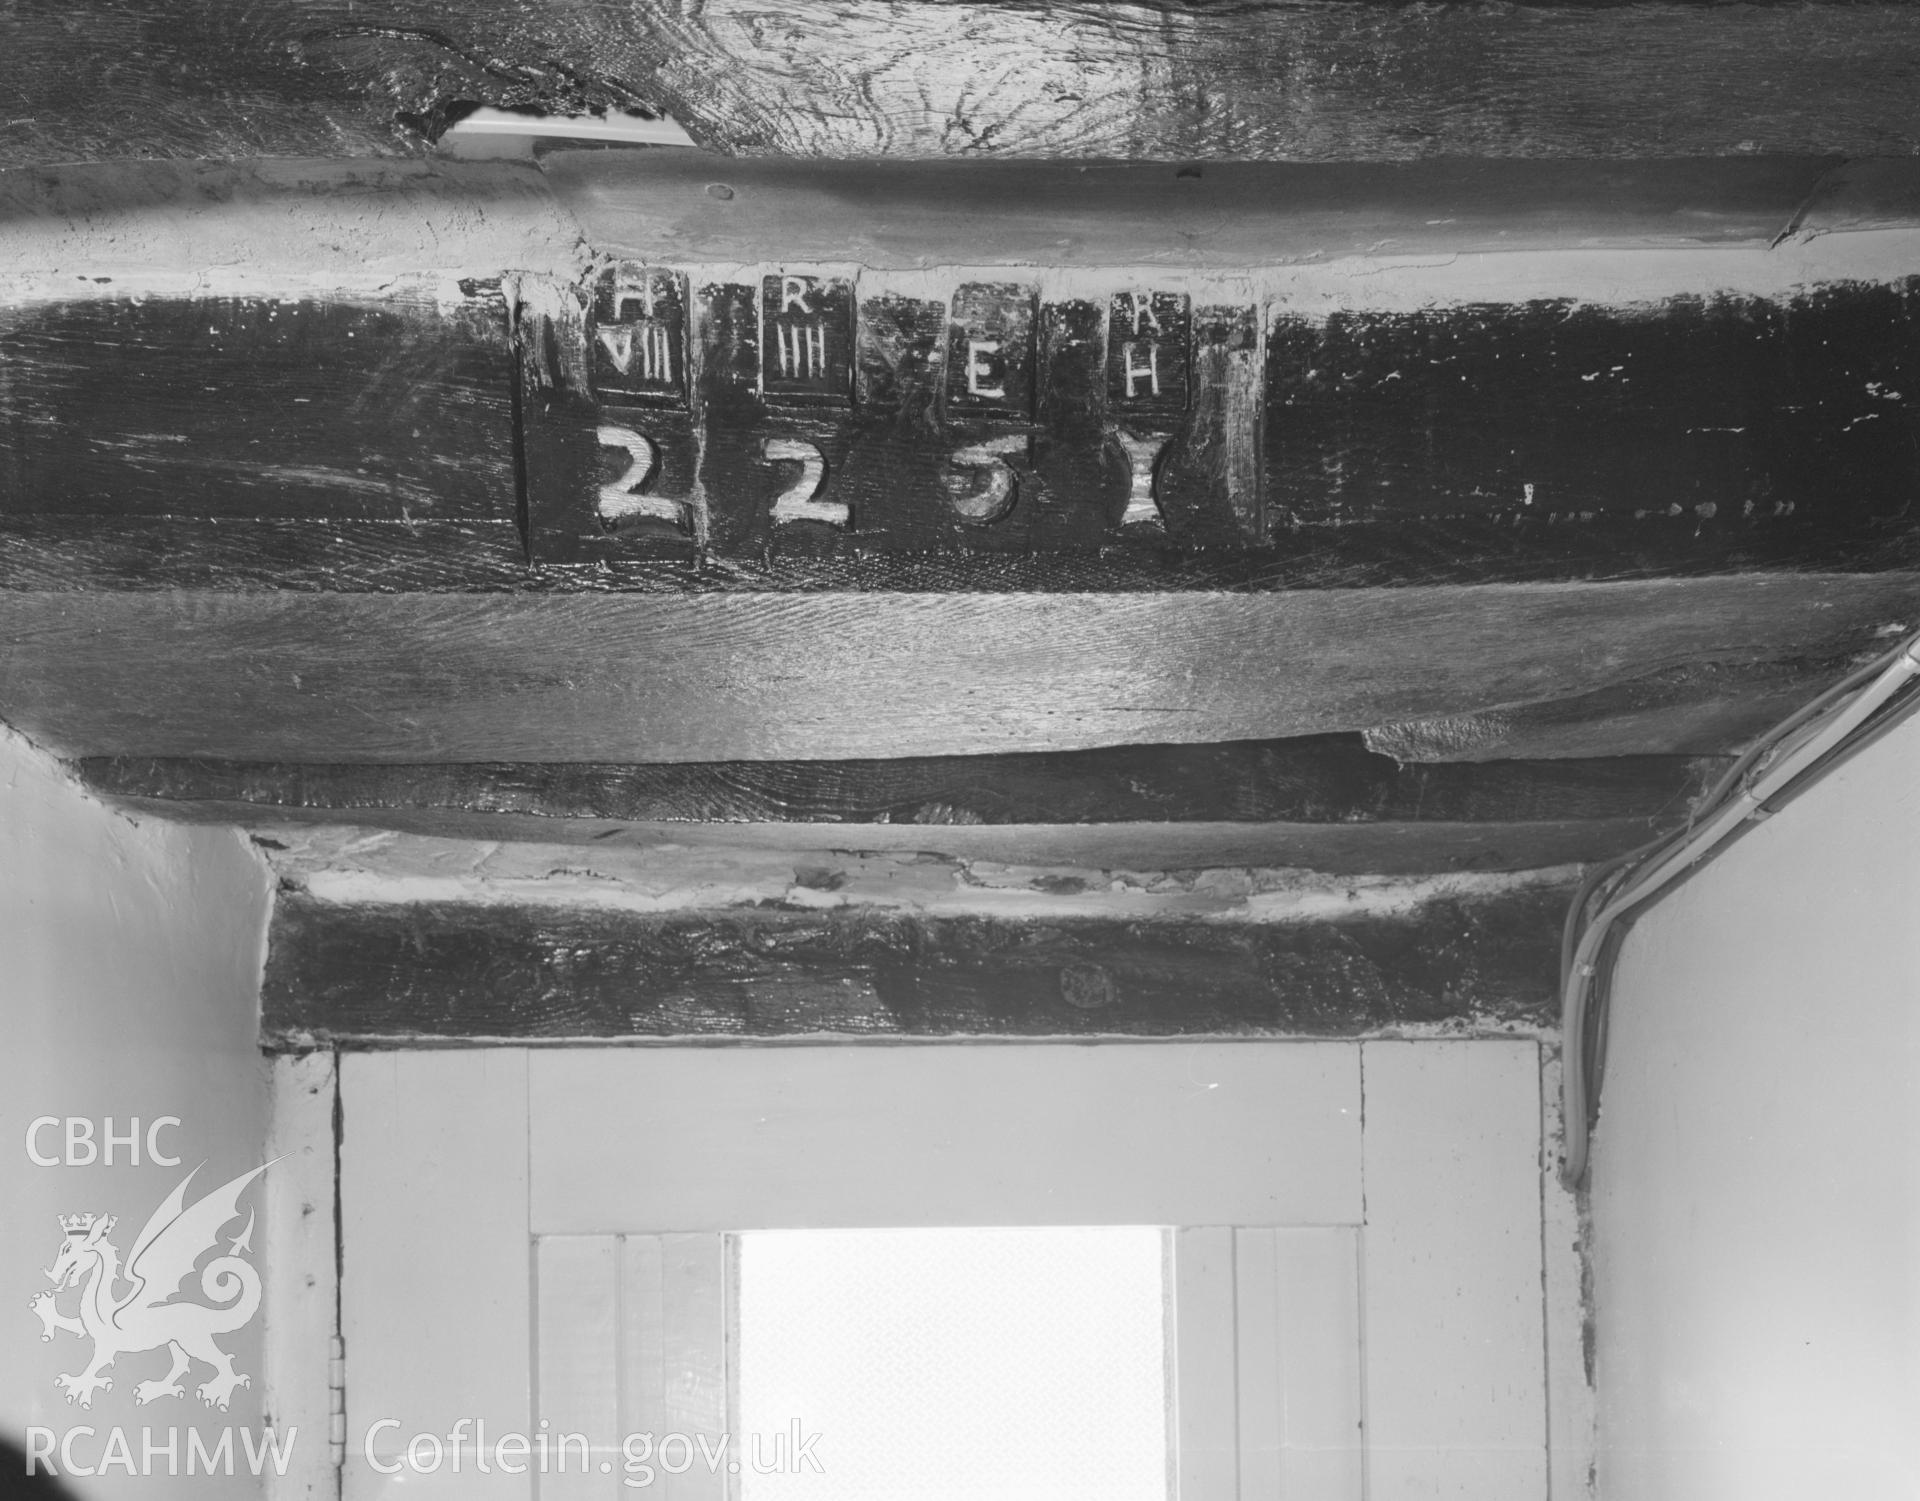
988 502
799 501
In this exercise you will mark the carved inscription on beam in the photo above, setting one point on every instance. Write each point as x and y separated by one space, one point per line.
640 352
1147 340
809 428
639 379
1157 427
989 399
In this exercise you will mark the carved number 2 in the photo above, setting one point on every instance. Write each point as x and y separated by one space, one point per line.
799 501
630 495
626 496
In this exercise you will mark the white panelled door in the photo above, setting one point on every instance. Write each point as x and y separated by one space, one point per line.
542 1263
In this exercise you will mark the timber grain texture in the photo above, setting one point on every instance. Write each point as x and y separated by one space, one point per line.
383 973
1698 428
1389 849
887 215
292 227
252 409
279 227
1323 804
1308 80
400 445
486 678
1540 440
1328 779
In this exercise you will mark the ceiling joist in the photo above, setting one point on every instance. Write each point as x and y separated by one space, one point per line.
622 488
1302 80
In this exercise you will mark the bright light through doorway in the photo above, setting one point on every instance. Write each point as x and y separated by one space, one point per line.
956 1364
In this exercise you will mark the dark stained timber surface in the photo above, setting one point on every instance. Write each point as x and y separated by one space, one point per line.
808 433
251 409
1329 779
1725 431
347 974
1137 441
312 554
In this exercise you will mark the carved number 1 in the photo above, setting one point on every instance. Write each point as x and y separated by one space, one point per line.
1143 505
800 501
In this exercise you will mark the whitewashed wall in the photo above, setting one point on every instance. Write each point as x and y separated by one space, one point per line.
129 980
1756 1188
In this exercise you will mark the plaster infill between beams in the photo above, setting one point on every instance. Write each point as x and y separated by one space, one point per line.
386 869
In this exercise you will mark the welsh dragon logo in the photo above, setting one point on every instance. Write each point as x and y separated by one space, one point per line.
164 1254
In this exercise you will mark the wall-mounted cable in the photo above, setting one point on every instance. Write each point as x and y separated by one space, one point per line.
1781 763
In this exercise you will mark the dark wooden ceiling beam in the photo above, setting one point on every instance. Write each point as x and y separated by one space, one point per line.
1380 849
362 526
356 444
1307 80
508 677
887 214
1327 779
372 974
1324 802
266 221
1709 703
